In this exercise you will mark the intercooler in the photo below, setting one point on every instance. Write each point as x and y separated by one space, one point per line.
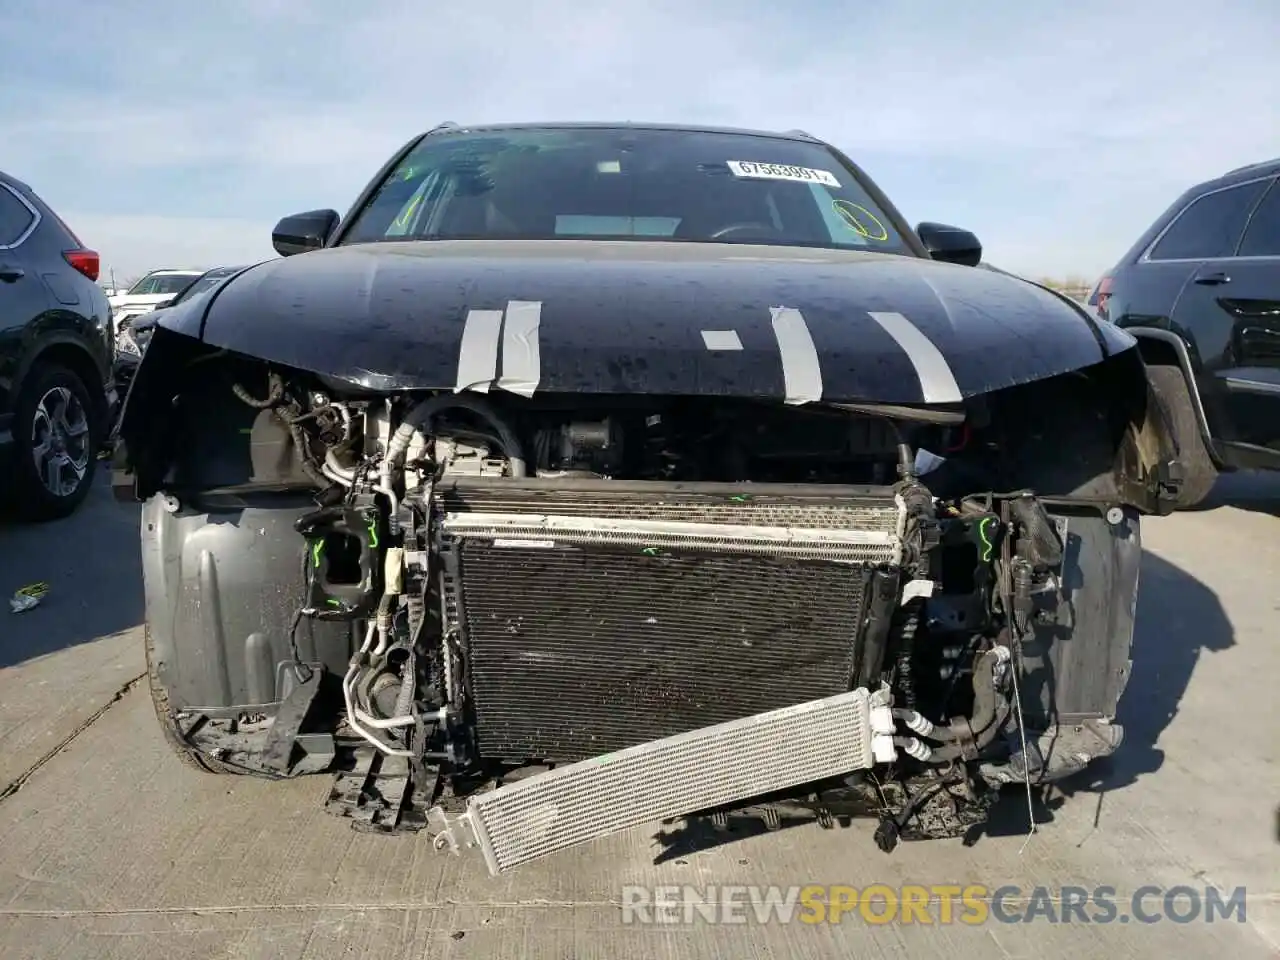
663 779
592 616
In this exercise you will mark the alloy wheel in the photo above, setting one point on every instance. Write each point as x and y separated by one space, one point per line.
60 441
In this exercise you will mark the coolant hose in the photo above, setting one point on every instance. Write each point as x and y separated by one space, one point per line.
1044 547
419 418
985 695
990 711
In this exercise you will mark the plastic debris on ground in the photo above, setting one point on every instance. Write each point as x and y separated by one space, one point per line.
28 597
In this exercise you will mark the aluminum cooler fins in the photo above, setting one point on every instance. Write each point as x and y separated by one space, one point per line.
666 778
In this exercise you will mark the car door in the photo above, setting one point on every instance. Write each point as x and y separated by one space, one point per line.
1232 303
23 296
1193 244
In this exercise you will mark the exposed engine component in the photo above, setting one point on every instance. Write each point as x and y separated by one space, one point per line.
580 447
654 590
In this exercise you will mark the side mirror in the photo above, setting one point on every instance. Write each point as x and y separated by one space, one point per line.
950 244
164 303
303 231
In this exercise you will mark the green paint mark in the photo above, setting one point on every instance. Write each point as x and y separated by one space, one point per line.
650 551
740 497
334 602
316 549
373 534
986 542
246 430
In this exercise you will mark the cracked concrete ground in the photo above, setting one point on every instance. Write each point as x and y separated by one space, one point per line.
109 848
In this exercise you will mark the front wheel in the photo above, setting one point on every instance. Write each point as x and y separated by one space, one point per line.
1198 469
57 436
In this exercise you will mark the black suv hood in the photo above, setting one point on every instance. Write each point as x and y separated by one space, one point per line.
630 317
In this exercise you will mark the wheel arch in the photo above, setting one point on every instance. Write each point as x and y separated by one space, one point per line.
66 352
1164 347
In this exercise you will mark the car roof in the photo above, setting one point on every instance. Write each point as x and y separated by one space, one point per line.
13 181
1251 171
450 127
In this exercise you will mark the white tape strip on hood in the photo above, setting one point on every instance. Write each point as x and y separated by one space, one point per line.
937 382
801 371
521 358
478 352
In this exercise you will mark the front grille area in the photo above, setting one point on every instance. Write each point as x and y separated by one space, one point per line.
578 643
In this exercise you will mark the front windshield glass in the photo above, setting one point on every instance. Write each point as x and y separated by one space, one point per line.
207 282
161 284
614 183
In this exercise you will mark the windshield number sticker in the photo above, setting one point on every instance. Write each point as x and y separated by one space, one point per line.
780 171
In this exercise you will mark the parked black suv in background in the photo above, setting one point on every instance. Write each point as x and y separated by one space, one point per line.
56 395
1201 291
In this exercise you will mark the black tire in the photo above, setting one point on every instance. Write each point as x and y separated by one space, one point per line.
1198 470
47 389
169 723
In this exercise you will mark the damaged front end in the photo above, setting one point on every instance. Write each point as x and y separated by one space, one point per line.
534 621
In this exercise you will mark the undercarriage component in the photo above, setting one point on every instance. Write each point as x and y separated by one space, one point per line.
668 777
380 794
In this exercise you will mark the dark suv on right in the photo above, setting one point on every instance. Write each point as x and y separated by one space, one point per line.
1200 289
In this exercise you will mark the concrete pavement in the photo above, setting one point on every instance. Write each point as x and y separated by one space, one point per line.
109 848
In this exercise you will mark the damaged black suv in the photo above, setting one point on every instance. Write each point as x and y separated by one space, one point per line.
591 475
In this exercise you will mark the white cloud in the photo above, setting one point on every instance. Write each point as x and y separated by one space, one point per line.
1055 132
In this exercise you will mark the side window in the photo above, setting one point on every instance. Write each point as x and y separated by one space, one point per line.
1211 226
1262 238
14 217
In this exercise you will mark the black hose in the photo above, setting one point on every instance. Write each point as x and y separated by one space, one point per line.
275 393
1044 547
985 696
304 456
964 737
419 418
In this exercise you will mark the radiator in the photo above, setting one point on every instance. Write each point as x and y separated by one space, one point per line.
594 616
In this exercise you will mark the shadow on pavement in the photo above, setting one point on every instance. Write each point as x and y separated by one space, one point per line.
1178 620
1255 490
92 564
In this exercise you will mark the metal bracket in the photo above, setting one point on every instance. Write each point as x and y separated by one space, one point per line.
452 835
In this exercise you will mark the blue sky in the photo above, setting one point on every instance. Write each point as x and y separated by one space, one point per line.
177 133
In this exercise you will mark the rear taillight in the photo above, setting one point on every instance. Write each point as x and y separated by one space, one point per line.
86 261
1101 294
